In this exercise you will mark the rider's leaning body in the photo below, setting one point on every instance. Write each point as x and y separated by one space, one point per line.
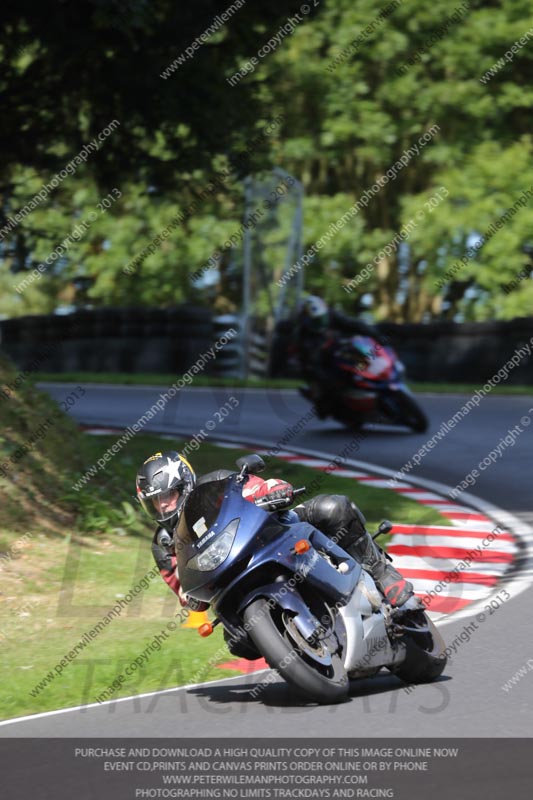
165 481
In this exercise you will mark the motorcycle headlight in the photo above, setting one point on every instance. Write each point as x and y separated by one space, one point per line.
217 552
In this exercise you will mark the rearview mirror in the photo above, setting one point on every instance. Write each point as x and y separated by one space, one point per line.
252 463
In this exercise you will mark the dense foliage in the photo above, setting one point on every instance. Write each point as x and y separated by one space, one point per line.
354 87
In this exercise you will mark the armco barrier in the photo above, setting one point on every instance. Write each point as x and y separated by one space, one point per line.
130 340
110 340
170 340
469 352
439 352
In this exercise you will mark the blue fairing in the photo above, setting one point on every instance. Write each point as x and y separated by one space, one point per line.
261 561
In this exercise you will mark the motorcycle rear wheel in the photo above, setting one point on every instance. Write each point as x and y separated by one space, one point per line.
310 667
425 656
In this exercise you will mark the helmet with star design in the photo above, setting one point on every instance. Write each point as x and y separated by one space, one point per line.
164 482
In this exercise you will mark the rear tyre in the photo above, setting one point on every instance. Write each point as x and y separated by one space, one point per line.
426 652
309 666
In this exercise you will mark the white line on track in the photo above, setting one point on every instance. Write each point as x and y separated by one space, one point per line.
31 717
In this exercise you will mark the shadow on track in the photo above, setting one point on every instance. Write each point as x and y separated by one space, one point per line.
280 694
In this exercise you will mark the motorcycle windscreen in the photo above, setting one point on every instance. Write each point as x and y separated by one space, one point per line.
376 361
202 509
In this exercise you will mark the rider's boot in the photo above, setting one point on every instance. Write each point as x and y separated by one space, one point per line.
340 519
241 647
322 408
388 580
321 405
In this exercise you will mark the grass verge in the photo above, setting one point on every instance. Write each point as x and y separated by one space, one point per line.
252 383
153 379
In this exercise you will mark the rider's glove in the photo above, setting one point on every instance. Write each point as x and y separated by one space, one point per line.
275 497
164 539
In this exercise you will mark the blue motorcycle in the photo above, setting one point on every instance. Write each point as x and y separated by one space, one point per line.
289 593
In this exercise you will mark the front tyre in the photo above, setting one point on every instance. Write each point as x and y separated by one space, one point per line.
404 410
309 666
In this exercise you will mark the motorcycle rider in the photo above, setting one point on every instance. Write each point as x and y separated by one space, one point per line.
165 481
318 329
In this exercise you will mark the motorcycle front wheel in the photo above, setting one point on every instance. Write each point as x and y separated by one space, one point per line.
404 410
310 666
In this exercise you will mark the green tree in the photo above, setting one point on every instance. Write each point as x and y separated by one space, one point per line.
358 86
355 103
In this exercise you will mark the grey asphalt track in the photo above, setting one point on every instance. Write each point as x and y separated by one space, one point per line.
467 701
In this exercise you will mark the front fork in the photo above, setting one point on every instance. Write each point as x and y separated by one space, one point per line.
288 599
386 399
